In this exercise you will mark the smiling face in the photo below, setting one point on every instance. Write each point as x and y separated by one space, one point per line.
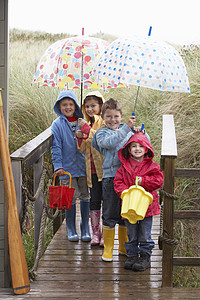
92 107
137 151
112 118
67 107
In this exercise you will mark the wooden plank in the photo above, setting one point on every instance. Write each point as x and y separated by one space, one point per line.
2 32
2 75
186 261
2 11
186 172
2 55
169 146
81 274
1 214
187 214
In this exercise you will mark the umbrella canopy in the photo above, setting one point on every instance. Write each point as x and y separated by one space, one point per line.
141 62
68 63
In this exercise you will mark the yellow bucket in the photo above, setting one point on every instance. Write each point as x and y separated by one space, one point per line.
135 202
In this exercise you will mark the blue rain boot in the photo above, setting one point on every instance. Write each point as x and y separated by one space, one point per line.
85 230
70 216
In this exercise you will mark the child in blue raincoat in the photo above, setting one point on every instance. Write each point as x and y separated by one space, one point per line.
67 157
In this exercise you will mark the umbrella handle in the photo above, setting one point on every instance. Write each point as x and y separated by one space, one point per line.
142 127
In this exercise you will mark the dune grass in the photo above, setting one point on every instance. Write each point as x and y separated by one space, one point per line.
31 112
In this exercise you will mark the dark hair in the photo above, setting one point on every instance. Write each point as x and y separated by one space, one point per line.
91 97
111 104
125 152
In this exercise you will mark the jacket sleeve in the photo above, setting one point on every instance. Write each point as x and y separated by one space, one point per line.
119 184
154 180
110 141
56 149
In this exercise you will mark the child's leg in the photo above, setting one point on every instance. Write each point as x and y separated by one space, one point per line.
146 244
70 215
132 245
111 212
85 208
95 211
110 216
109 237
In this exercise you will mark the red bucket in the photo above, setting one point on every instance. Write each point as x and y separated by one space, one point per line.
61 196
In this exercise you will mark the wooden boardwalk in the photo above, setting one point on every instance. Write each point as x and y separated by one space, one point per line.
74 270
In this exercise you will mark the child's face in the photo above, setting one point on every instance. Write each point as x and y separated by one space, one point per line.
137 151
112 118
92 107
67 107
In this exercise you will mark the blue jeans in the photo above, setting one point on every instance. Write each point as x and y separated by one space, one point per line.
139 236
111 212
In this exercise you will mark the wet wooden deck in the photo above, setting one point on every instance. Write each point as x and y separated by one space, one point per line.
74 270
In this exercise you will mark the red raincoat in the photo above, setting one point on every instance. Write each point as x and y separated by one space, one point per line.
152 176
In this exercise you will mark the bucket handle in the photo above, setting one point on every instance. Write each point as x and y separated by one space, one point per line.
70 178
136 181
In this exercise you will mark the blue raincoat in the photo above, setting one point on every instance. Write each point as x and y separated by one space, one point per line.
65 153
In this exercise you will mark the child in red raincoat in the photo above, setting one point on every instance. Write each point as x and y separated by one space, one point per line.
136 157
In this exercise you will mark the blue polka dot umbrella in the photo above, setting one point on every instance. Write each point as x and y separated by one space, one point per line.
142 62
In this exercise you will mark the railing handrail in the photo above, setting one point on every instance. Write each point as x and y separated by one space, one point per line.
30 152
168 156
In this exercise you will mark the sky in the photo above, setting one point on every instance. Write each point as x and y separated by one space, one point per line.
173 21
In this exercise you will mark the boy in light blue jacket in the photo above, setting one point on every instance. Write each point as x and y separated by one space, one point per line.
108 140
67 157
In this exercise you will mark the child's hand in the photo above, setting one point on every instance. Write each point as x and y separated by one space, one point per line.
139 180
137 129
81 122
60 172
131 121
79 134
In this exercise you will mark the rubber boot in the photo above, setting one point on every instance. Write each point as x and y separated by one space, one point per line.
122 237
96 229
70 216
85 230
109 237
101 244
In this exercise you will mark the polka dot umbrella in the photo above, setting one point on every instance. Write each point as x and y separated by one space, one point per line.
68 63
143 62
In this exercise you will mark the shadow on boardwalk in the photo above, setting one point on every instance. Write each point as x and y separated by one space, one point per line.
74 270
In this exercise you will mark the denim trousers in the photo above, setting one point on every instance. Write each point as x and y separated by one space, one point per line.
139 236
111 212
95 193
80 186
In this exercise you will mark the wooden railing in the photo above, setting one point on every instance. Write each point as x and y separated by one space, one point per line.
31 154
168 156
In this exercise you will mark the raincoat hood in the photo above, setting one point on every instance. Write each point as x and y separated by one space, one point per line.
138 138
101 101
71 95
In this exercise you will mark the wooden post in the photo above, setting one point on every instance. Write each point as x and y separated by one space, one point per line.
168 155
168 211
